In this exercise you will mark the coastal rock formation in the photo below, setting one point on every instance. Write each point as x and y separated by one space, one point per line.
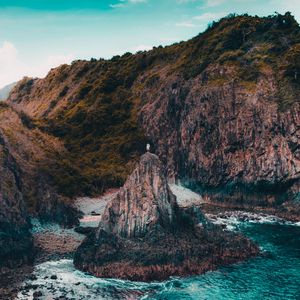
232 144
221 110
143 235
143 204
16 246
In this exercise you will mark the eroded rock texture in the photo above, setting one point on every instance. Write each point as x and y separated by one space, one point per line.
144 202
144 235
231 142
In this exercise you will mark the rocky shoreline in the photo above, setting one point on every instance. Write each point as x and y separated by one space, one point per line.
13 280
144 235
55 243
162 256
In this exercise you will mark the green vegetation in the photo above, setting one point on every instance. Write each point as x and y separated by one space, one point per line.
100 130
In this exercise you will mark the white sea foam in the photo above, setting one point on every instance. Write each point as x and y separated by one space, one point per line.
74 284
231 219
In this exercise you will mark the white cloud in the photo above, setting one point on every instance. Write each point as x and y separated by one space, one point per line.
185 24
13 69
123 3
53 61
8 53
208 17
118 5
201 20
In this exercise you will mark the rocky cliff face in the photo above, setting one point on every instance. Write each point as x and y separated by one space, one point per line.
221 110
226 140
24 189
144 235
144 202
16 245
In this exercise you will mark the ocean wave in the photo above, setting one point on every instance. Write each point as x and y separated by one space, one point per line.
230 220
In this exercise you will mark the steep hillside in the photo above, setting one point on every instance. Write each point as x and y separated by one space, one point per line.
15 239
221 111
31 149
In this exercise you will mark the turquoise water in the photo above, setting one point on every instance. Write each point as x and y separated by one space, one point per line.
274 275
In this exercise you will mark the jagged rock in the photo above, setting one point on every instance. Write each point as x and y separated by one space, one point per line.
84 230
24 191
144 235
144 202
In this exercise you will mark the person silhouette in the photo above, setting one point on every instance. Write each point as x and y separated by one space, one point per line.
148 147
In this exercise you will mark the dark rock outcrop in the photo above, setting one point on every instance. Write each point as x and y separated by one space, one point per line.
144 235
16 246
53 207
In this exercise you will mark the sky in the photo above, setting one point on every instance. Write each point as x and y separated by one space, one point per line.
37 35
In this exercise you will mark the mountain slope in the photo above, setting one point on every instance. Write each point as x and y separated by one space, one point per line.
221 111
16 244
31 149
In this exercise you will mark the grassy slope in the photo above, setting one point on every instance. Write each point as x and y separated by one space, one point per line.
93 106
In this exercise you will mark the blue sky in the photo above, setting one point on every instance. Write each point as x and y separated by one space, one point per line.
36 35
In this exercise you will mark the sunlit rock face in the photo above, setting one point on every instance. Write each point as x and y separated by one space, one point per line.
144 202
144 235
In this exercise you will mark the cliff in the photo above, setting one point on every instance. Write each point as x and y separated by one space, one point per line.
230 142
221 110
144 235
